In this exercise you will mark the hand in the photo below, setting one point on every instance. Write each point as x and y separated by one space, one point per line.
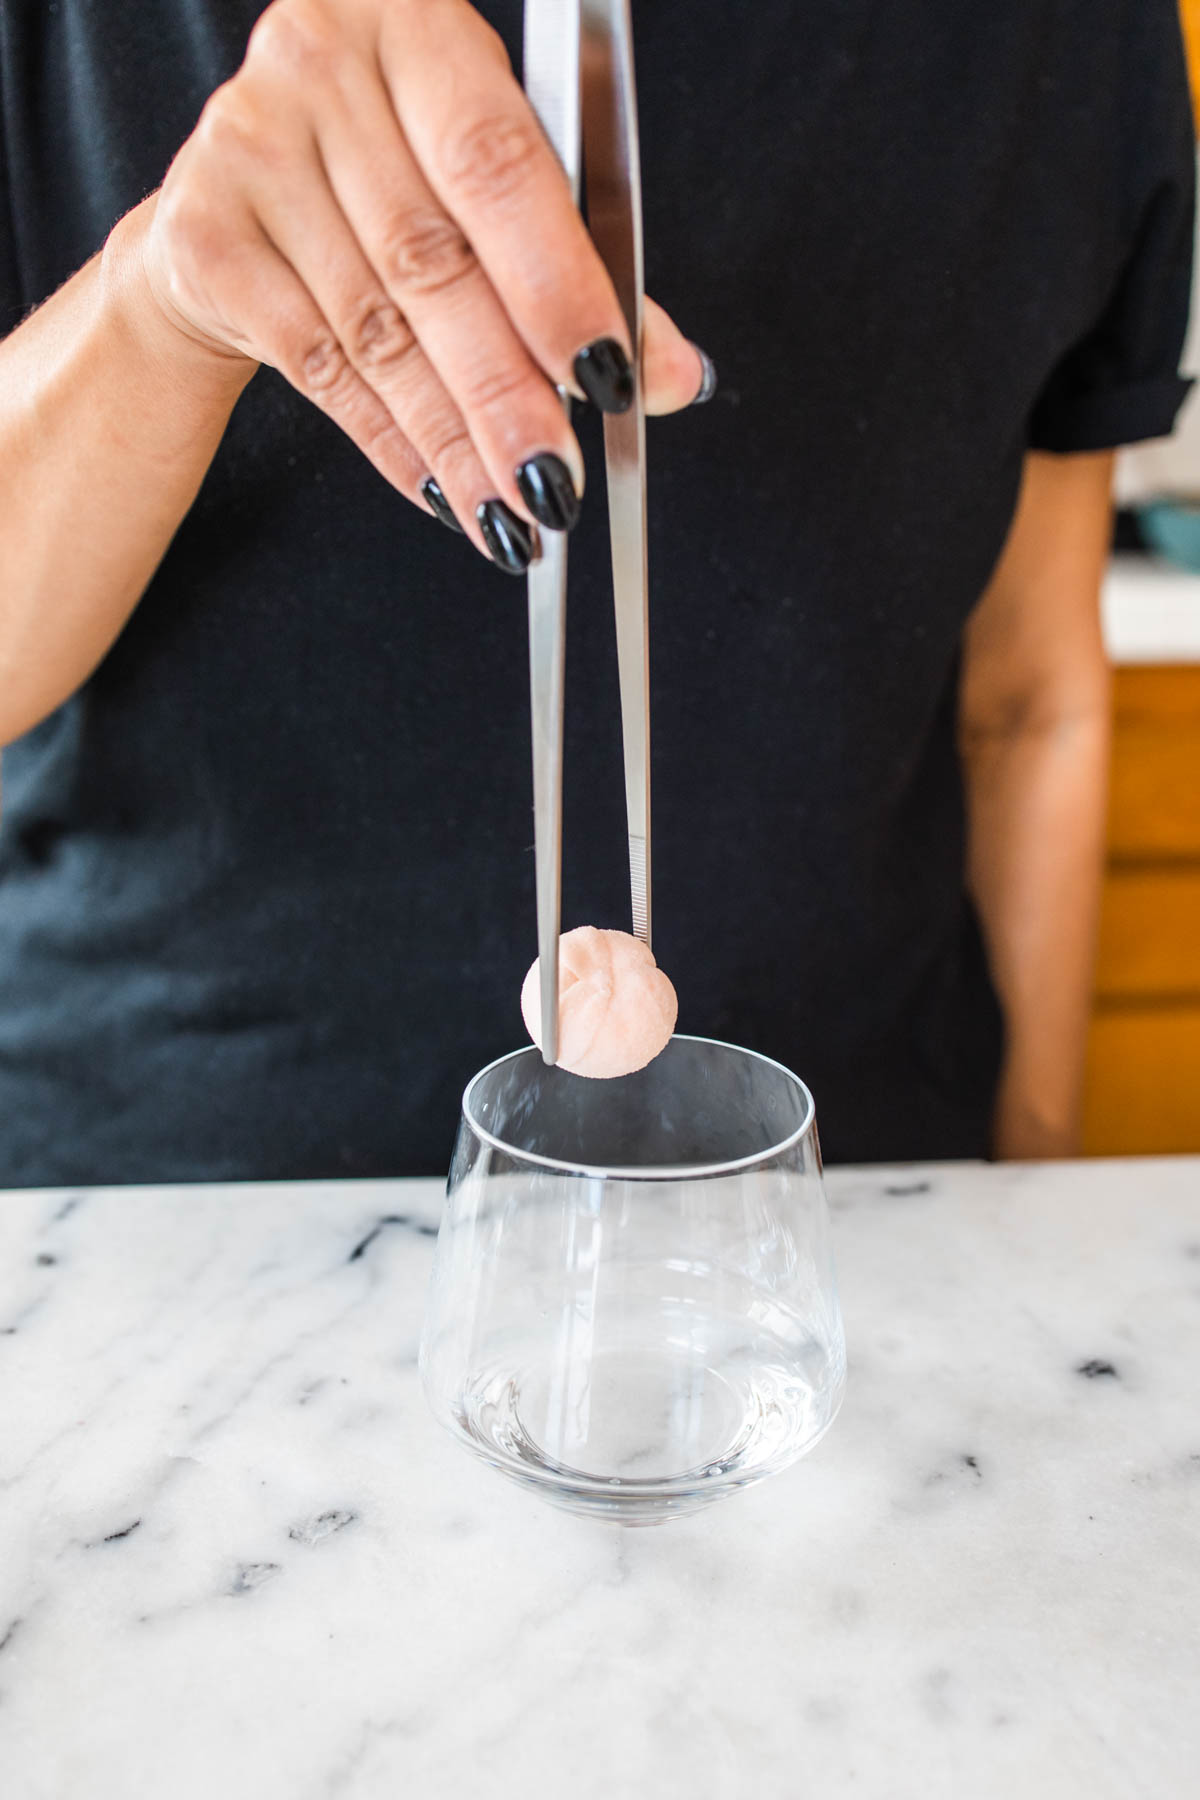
371 207
1025 1130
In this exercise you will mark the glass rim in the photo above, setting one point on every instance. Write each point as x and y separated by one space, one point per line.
653 1171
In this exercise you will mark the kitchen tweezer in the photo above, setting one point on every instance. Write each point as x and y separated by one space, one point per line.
580 80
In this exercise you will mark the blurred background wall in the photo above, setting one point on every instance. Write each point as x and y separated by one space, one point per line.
1143 1088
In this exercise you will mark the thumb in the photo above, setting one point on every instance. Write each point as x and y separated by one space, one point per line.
676 373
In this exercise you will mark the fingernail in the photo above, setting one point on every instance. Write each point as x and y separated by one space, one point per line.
548 491
603 372
439 504
708 382
512 545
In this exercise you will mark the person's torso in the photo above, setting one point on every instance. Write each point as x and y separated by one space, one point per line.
284 833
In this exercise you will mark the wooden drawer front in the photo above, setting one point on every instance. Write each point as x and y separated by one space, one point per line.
1154 805
1150 935
1143 1082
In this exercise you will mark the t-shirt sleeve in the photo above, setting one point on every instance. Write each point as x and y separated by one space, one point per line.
1120 383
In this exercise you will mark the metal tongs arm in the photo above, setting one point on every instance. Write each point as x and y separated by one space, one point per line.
579 77
614 201
552 84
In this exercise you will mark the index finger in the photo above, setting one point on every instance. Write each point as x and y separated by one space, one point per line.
486 157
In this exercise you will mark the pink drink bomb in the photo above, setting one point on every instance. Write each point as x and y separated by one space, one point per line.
616 1008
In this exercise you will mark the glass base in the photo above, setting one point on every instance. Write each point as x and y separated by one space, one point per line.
599 1451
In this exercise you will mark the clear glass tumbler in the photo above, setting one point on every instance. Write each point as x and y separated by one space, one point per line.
632 1307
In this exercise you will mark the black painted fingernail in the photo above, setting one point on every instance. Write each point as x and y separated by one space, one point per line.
439 504
603 372
511 543
548 491
708 381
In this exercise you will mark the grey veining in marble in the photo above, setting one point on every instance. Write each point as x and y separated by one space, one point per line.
237 1558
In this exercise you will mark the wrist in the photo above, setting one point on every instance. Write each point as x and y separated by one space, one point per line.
208 373
1028 1126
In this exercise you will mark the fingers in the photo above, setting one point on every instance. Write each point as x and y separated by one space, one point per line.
371 206
675 373
377 342
429 271
491 168
281 324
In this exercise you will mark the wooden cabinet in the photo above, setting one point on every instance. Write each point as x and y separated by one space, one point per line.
1143 1086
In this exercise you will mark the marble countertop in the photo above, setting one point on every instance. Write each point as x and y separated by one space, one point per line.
238 1559
1151 611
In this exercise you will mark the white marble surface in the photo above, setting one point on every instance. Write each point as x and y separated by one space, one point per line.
1151 611
238 1560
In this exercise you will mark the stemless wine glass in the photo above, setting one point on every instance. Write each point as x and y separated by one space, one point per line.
632 1307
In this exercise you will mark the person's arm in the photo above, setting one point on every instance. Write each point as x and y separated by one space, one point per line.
109 418
369 206
1034 737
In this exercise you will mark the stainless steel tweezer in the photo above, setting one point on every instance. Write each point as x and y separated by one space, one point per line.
579 78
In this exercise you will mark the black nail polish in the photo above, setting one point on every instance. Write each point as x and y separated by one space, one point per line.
708 381
511 543
548 491
603 372
439 503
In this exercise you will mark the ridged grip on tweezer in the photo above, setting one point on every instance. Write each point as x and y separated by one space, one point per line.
614 205
640 888
551 72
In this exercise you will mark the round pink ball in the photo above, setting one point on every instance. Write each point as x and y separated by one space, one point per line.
616 1008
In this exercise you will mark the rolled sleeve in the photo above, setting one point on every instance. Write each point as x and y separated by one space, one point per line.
1120 383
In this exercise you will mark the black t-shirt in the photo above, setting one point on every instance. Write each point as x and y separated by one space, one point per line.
266 882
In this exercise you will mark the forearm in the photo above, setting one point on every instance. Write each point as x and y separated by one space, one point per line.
1036 800
109 418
